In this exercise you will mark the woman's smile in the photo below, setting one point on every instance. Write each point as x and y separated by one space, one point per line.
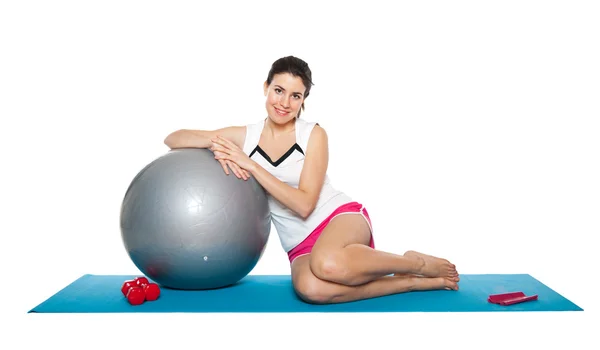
280 112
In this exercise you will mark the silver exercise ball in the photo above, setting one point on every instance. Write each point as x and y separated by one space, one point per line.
187 225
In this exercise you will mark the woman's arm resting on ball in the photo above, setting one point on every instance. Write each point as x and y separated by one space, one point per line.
186 138
303 199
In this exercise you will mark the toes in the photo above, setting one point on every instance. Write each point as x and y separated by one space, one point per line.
451 286
452 273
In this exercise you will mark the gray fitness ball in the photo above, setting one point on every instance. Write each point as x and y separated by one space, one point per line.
187 225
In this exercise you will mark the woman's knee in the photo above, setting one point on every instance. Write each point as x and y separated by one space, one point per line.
329 266
310 289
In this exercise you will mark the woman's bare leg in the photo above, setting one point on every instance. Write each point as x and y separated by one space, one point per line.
313 290
342 255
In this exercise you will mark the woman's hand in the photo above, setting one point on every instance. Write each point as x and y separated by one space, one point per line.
227 164
226 150
237 171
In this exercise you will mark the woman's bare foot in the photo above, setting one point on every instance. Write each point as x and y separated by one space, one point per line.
434 267
433 283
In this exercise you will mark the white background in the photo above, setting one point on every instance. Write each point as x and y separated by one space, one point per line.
469 129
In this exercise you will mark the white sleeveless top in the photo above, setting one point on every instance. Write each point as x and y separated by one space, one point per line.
291 228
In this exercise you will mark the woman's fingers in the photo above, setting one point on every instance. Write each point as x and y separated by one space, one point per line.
235 168
218 142
218 148
224 165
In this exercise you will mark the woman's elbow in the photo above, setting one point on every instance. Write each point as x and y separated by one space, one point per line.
307 210
171 139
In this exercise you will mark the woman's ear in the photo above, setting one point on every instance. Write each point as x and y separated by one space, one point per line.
265 88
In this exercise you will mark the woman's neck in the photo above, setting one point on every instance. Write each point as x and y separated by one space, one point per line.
276 130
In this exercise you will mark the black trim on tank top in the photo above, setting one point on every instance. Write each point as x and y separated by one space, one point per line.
280 160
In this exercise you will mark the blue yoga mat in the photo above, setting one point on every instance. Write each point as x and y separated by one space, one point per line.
274 293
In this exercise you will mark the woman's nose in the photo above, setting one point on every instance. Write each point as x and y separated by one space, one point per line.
284 101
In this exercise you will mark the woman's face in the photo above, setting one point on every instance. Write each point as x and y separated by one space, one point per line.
284 97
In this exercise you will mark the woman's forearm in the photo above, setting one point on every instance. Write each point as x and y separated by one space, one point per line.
188 139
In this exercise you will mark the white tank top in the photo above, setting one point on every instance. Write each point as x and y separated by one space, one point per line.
291 228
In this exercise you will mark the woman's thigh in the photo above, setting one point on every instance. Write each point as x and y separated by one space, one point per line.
343 230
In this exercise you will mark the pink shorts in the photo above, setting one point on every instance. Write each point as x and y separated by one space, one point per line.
305 247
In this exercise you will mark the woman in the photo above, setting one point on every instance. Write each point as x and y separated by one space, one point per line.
332 256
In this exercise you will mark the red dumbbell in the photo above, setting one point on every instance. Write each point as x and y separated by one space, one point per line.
140 281
151 290
128 284
135 294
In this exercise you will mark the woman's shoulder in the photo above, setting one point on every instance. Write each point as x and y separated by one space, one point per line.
306 123
310 132
307 126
